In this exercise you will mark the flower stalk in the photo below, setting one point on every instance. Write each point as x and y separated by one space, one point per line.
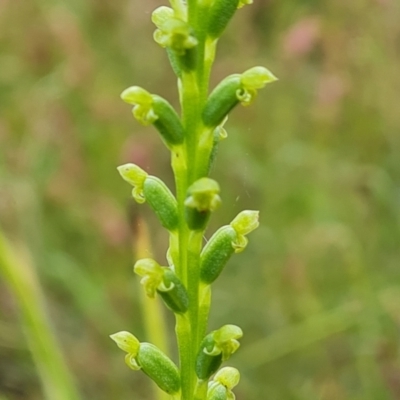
189 32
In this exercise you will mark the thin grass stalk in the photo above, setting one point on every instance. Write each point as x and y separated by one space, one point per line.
55 377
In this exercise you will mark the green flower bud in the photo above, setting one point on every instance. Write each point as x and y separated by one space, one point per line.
252 80
135 176
202 199
173 292
142 101
227 240
216 253
244 223
160 368
168 124
152 109
162 201
177 37
232 90
226 342
163 281
221 100
215 348
151 273
153 190
151 360
175 34
221 13
220 388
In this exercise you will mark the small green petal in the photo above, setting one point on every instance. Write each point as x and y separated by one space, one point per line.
227 376
245 222
225 340
152 274
126 342
135 176
257 78
203 195
161 14
136 95
175 34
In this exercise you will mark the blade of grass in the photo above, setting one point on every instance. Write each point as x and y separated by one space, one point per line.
20 276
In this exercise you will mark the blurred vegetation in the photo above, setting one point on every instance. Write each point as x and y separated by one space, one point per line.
318 291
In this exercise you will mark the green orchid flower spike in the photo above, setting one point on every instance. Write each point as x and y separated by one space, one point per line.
189 31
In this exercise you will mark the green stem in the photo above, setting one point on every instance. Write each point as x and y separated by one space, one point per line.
194 250
190 164
179 255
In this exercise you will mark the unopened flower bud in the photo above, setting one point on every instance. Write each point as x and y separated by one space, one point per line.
173 292
151 273
162 201
202 199
232 90
153 190
252 80
151 360
152 109
226 240
215 348
245 222
221 101
175 34
143 104
160 368
220 388
216 253
135 176
220 14
163 281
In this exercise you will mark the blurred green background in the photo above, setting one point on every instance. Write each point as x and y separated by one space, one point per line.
317 292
